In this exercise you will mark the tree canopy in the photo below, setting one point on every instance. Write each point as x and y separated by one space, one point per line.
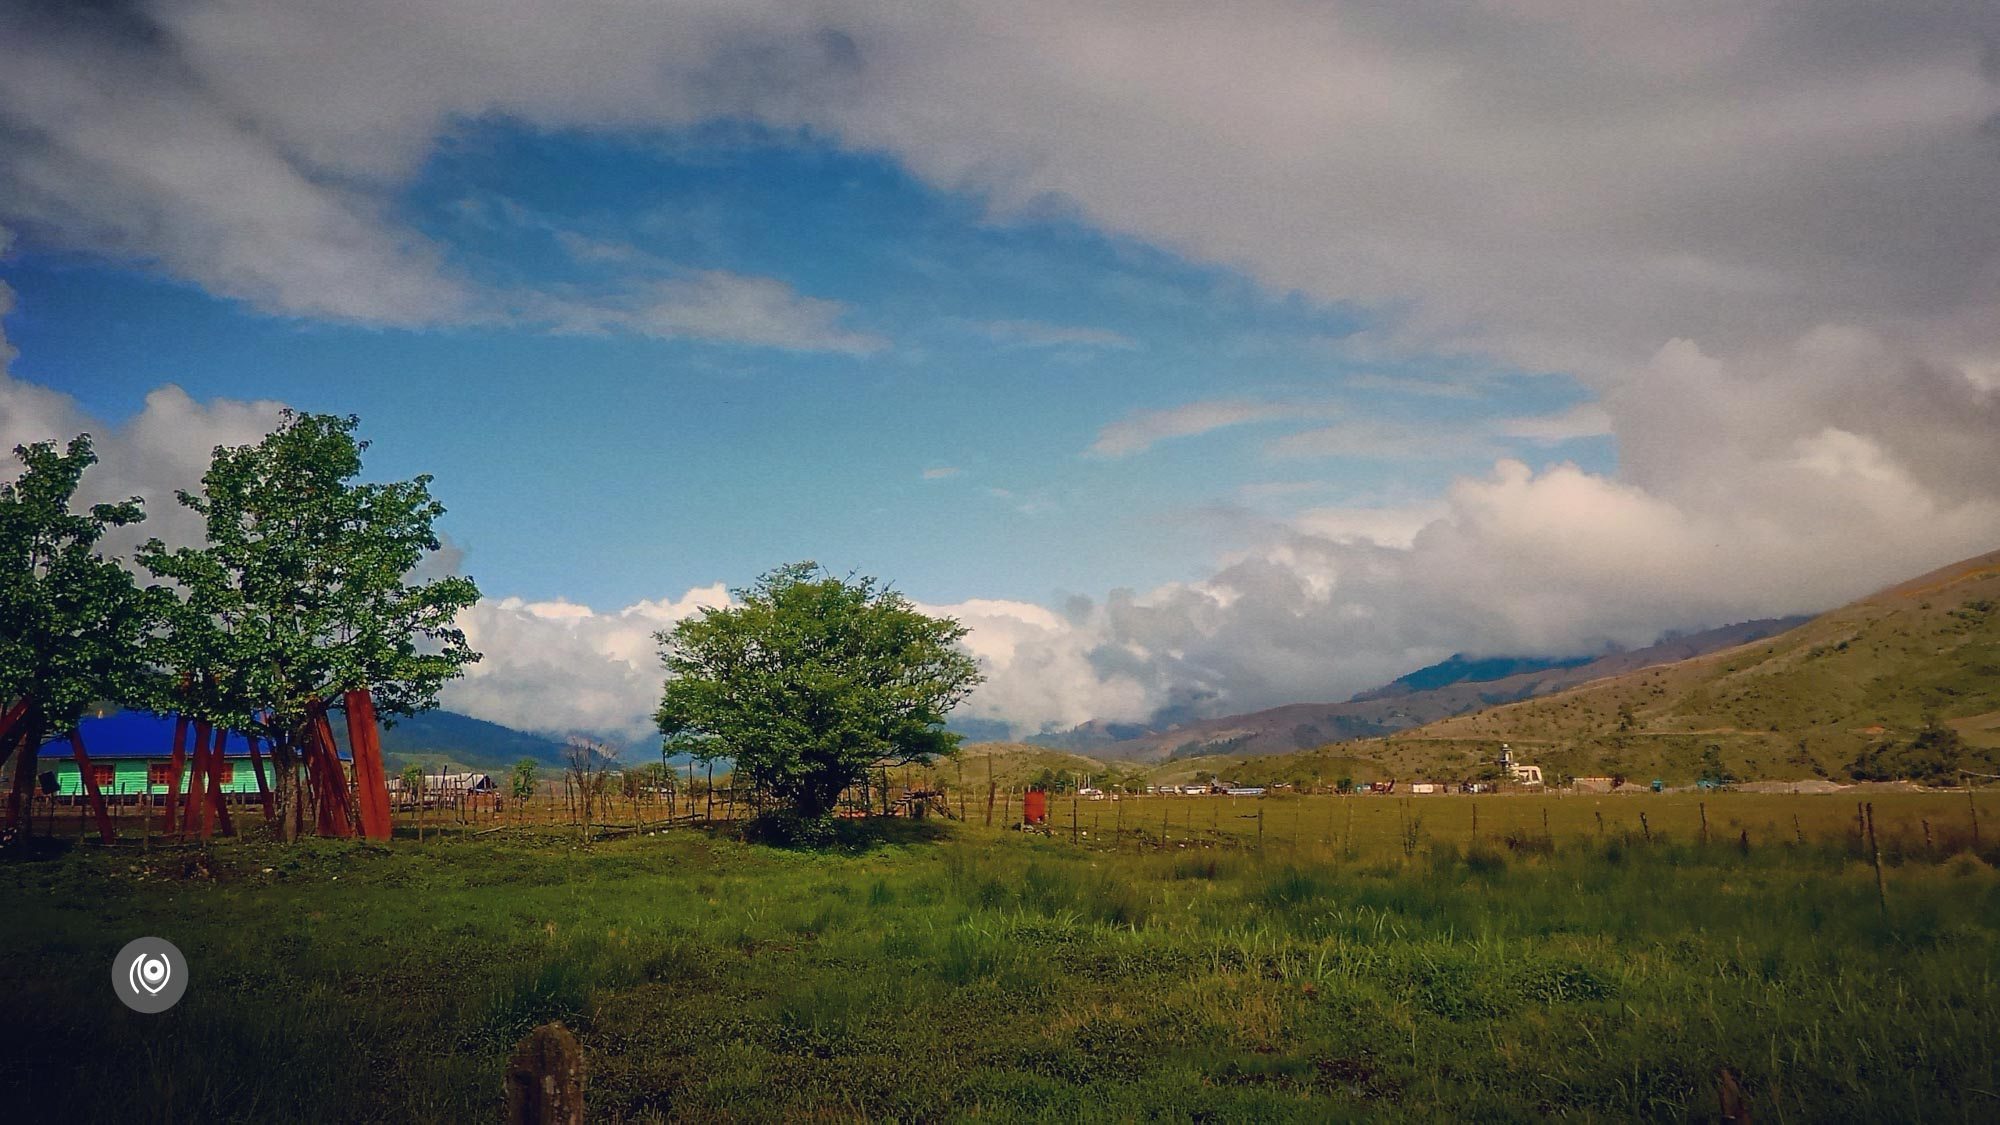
71 620
810 680
305 589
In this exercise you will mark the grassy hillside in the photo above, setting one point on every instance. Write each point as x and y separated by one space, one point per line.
1804 702
446 736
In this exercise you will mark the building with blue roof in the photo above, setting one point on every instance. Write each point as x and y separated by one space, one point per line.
132 753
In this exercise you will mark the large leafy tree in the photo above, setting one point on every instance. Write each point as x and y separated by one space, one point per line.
72 621
809 681
304 591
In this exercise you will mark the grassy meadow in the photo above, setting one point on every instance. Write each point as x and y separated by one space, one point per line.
1374 958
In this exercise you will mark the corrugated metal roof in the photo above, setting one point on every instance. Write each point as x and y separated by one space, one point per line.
138 734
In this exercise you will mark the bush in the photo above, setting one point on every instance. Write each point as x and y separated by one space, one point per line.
786 828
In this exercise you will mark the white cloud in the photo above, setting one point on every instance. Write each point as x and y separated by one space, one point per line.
1379 440
1273 489
1145 429
1034 333
162 449
560 667
1567 184
1039 668
941 472
716 306
1384 527
1585 419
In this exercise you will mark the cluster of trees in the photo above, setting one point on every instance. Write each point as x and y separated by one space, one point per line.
1933 756
1112 778
303 589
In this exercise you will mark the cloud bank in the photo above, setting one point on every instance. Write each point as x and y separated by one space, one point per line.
1763 234
1562 182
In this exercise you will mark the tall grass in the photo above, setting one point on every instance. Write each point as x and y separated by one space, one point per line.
995 975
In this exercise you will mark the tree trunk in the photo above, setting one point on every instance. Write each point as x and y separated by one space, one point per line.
285 763
27 759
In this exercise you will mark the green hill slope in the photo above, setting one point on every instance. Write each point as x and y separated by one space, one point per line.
436 737
1807 701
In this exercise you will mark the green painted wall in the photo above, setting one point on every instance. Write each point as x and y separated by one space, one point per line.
129 775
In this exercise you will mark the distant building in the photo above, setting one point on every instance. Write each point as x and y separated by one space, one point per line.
1516 772
444 788
132 755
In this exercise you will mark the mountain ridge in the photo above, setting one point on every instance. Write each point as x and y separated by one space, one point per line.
1386 710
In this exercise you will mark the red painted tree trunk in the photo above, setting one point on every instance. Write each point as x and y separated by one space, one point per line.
8 722
263 786
104 830
364 738
197 774
23 791
179 769
218 801
335 815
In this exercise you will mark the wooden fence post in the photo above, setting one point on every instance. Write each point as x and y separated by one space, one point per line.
1875 850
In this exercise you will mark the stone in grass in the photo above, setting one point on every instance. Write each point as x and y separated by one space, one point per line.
545 1079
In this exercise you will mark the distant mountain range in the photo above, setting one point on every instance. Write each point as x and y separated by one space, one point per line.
1451 687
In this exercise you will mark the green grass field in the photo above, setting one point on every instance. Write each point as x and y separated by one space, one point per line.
1399 967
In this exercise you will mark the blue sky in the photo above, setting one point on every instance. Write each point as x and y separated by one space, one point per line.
607 467
1198 358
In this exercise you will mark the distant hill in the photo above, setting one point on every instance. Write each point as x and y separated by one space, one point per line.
436 736
1383 711
1460 669
1807 701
